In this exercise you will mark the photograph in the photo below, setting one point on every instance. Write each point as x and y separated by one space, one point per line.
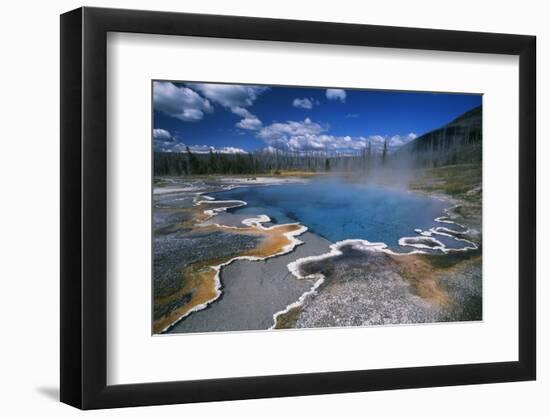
268 209
298 207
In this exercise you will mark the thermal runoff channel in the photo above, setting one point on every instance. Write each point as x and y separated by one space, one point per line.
298 207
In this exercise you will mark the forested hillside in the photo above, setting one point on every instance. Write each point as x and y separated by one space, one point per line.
459 141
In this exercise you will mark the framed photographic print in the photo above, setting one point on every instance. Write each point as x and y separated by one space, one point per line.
258 207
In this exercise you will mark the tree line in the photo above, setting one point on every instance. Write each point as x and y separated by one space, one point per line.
262 162
446 146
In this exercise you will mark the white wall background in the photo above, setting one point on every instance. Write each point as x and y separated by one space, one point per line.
29 172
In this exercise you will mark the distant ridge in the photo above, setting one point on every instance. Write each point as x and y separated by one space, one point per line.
464 131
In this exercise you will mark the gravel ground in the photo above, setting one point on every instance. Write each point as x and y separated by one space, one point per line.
362 289
366 289
254 291
465 289
173 252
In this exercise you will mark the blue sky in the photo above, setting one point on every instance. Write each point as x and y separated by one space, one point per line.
244 118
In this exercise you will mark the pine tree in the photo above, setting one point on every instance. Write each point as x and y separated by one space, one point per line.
194 163
212 162
385 151
187 162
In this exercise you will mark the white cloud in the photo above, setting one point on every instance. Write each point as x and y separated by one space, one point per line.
241 111
234 97
164 141
169 147
162 135
397 140
292 135
229 95
307 135
179 102
230 149
224 149
336 94
352 116
178 147
303 103
250 123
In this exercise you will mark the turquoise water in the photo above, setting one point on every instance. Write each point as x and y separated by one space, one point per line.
338 210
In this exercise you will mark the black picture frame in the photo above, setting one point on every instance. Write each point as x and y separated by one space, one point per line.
84 207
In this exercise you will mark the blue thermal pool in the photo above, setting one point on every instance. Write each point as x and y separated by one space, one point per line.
339 210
